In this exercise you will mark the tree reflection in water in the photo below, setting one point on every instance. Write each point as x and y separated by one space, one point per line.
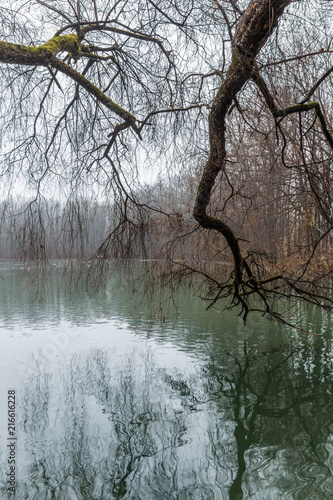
280 404
248 424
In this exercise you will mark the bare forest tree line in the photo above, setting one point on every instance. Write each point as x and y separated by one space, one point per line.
284 214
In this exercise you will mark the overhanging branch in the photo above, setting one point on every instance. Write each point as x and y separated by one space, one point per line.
295 108
45 56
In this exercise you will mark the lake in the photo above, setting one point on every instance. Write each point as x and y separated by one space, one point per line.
114 400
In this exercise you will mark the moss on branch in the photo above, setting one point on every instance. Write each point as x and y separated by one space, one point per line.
45 56
14 53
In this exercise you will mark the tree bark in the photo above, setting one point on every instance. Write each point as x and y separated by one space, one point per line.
254 27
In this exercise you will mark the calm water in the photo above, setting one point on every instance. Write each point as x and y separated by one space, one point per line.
191 405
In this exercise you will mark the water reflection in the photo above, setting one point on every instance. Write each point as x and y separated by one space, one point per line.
96 427
193 410
280 404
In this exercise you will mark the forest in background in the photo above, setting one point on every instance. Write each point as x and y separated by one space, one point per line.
274 211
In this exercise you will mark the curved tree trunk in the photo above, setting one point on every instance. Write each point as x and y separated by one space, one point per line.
254 27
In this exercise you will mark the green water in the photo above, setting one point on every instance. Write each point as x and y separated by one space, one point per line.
117 401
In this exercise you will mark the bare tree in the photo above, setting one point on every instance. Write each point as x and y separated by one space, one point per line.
94 92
